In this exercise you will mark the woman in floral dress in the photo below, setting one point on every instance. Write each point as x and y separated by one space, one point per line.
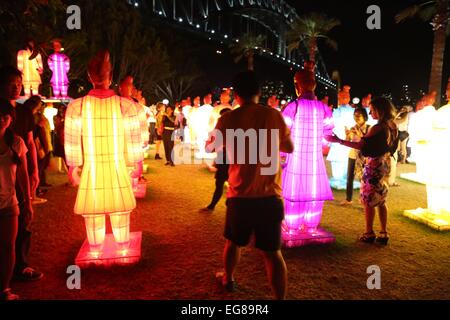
377 146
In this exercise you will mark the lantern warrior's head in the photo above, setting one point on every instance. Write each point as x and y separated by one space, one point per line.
429 99
197 101
126 87
344 96
305 80
366 101
100 70
207 99
225 97
57 45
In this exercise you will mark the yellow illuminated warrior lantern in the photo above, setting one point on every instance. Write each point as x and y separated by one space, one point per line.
102 134
31 69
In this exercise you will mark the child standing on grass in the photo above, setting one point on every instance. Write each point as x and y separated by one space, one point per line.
13 166
355 158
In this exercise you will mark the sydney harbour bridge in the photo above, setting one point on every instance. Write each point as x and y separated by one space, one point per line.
226 21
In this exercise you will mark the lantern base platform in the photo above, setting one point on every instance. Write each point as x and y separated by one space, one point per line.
341 184
320 236
440 222
412 176
111 254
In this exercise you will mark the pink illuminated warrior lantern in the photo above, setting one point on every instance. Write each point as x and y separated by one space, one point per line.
31 69
102 134
305 181
59 64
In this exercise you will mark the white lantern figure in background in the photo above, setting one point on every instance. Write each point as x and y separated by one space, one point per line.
437 215
420 131
338 154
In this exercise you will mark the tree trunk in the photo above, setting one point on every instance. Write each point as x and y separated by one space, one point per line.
312 50
437 63
250 61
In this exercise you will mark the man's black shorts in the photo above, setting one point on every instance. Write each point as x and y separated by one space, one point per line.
261 216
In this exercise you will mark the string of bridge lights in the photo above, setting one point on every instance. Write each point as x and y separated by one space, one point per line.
265 51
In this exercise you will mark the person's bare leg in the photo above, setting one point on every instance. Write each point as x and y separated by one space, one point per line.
370 215
382 213
277 273
231 257
8 233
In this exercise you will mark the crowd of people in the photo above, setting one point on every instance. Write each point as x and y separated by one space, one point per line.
375 141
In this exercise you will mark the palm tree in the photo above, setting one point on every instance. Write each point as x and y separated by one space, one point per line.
437 13
308 29
245 47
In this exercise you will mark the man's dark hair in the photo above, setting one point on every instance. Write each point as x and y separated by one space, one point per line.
6 72
246 85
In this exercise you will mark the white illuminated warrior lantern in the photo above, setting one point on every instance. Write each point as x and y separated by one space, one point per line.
59 64
31 69
102 134
338 154
203 127
420 131
224 103
437 215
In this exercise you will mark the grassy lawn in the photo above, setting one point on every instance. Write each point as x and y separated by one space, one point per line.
182 248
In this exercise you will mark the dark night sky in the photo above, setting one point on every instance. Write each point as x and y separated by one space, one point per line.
376 61
370 61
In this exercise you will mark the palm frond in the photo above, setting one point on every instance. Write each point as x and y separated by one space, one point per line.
424 11
309 27
293 45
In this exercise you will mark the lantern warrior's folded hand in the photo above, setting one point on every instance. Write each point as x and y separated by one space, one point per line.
74 176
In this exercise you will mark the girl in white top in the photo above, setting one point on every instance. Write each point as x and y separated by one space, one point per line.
13 167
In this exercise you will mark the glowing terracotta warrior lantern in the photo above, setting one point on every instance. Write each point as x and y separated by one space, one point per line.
203 123
305 181
420 131
31 69
437 215
128 91
185 109
224 103
59 64
102 134
338 154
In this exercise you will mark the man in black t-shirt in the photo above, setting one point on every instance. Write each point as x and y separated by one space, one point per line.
23 126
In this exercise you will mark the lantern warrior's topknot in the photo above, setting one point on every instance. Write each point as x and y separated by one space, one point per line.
100 70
